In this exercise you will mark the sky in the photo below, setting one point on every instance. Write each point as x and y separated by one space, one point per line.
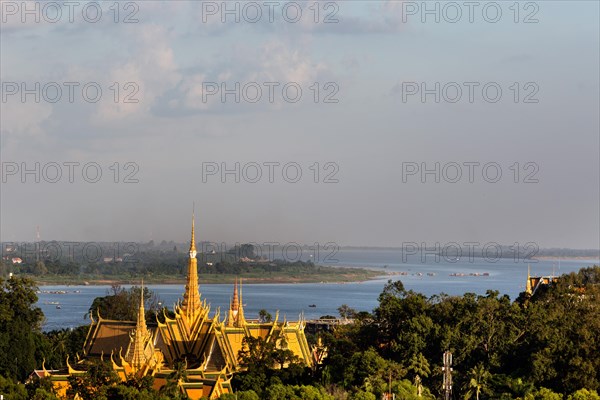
431 122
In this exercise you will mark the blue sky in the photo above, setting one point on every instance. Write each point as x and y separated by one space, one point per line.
375 48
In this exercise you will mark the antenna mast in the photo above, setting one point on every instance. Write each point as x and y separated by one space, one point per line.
447 371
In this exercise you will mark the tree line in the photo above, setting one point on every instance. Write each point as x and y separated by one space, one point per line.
150 261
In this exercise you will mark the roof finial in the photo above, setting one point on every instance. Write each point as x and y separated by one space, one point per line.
193 240
142 296
141 319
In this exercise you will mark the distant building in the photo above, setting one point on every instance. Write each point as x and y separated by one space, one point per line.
535 282
17 260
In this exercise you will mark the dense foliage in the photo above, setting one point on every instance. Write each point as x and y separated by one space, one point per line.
20 325
501 349
545 346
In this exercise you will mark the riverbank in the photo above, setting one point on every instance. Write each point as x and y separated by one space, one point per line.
326 275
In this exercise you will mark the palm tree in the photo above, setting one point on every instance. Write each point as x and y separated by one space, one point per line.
477 381
179 374
179 371
61 341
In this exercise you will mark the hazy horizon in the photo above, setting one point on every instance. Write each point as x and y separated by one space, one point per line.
277 244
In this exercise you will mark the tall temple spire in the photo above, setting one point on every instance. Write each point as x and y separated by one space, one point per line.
240 317
191 298
235 304
136 356
141 319
528 283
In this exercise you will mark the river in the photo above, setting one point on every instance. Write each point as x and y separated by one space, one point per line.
433 277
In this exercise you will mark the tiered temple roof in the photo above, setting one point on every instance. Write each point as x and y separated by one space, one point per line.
208 345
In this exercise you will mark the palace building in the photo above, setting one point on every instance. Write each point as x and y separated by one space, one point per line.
533 283
207 345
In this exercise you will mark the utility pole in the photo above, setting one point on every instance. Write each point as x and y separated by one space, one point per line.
390 386
389 395
447 370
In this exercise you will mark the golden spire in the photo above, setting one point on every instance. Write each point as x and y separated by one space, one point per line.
136 356
191 298
528 283
141 318
240 314
193 241
233 318
235 304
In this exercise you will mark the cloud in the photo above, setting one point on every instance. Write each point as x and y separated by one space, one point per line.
144 77
24 119
274 65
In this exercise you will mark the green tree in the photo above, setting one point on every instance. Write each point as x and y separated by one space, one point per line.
257 354
178 375
12 390
370 372
404 389
584 394
43 394
145 382
477 381
361 395
94 383
39 268
403 321
419 365
122 392
247 395
309 392
41 389
264 316
563 352
346 312
280 392
122 304
544 394
20 323
57 345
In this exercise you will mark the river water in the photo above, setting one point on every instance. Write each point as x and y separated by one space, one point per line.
431 277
